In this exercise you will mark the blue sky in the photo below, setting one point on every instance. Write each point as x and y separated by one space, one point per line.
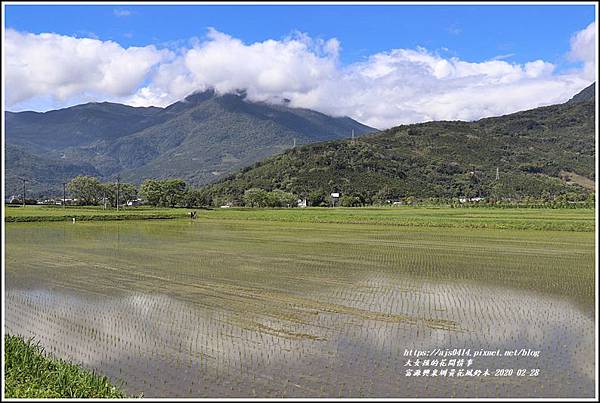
473 33
433 55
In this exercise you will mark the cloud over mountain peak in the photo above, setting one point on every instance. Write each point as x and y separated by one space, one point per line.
387 88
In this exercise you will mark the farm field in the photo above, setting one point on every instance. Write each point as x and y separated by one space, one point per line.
92 213
272 303
579 219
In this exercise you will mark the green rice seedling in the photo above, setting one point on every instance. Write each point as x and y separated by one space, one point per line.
318 306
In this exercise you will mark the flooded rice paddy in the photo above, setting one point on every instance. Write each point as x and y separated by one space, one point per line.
267 309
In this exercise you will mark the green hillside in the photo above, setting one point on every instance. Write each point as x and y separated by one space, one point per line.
40 172
76 126
587 94
200 139
541 153
219 135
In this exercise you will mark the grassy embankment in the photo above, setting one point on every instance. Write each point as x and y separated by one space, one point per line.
581 219
57 213
30 373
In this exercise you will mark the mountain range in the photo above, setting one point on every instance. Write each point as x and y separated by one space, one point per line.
230 144
541 153
200 139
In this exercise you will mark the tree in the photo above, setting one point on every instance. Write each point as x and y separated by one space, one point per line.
221 200
28 201
284 199
317 199
271 200
195 198
127 192
173 191
590 201
409 200
164 193
383 195
350 201
151 191
256 197
87 189
205 196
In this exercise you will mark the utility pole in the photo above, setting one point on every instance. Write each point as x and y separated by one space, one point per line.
64 193
24 180
118 179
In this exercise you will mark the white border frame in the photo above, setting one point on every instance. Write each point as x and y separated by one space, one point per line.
315 3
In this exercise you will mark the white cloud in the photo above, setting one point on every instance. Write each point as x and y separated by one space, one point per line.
504 56
62 67
389 88
121 12
583 49
267 70
386 89
454 29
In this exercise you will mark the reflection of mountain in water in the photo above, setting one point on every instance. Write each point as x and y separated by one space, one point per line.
184 349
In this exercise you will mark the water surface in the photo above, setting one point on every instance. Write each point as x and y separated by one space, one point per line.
243 309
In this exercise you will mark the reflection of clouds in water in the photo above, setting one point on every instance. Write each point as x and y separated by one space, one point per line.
107 333
156 336
493 317
131 318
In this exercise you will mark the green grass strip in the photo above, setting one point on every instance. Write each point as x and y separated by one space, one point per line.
106 217
30 373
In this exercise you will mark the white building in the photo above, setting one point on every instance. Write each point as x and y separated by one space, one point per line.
472 199
335 196
136 202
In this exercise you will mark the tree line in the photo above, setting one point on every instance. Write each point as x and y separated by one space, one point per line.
89 191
